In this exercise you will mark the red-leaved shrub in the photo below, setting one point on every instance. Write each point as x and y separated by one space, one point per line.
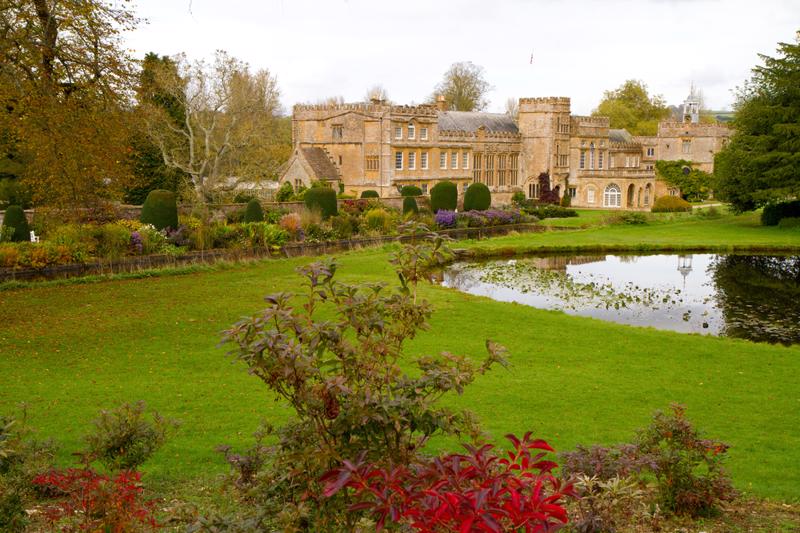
481 491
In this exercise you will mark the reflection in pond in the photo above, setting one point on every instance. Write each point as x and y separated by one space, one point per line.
752 297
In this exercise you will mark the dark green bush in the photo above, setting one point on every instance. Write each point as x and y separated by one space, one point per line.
670 204
253 212
15 218
550 211
160 209
789 222
285 193
322 199
773 213
410 205
444 195
370 194
518 198
566 200
410 190
242 198
477 198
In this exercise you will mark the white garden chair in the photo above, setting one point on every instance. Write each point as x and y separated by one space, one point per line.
34 237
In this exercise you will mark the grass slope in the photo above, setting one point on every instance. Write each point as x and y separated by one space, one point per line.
71 350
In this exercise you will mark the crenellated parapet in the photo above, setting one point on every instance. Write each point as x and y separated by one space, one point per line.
602 122
363 107
625 147
454 135
424 110
548 100
678 129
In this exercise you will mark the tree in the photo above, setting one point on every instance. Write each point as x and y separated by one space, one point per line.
463 87
64 91
229 123
512 107
377 92
761 163
632 108
695 185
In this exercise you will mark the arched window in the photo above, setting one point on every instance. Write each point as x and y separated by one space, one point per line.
591 156
612 197
647 194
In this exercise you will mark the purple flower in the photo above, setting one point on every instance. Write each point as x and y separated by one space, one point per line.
445 219
136 242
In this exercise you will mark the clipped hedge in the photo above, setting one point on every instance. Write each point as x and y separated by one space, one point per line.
670 204
370 194
322 199
160 209
410 205
410 190
774 213
253 212
477 198
444 195
15 218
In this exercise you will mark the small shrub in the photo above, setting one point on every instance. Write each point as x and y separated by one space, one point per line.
263 235
789 223
97 502
628 217
253 212
566 199
410 190
370 194
670 204
444 195
15 218
477 198
291 222
323 200
123 438
160 209
614 504
772 214
550 211
518 198
410 205
344 225
112 240
477 491
378 220
688 469
243 198
707 213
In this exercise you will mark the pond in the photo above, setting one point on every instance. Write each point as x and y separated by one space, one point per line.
755 297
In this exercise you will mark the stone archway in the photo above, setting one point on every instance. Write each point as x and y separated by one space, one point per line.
631 192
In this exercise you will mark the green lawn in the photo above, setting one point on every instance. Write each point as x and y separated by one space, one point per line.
71 350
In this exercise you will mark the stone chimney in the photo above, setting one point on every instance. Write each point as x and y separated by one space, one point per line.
441 103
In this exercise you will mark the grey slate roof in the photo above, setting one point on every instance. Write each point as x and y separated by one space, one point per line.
320 163
620 136
471 121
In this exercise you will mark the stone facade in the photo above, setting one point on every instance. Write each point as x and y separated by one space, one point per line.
382 147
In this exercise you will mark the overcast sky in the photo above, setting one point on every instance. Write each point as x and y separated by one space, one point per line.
321 48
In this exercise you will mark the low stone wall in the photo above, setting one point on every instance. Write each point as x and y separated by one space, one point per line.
134 264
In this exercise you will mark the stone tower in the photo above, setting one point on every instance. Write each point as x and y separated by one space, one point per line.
691 107
544 125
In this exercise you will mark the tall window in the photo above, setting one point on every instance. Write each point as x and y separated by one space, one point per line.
476 167
533 190
600 160
489 169
423 160
424 188
572 192
338 132
398 132
465 160
372 162
398 160
612 197
412 160
651 152
423 134
687 147
591 156
583 159
501 170
411 131
443 160
590 195
454 160
514 178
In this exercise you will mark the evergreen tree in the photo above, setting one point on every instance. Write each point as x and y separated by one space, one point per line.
761 163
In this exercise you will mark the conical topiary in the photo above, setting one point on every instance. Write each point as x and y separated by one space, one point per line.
410 190
15 218
322 199
410 205
477 198
369 193
160 209
253 212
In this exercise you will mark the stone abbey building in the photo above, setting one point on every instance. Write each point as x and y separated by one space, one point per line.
381 147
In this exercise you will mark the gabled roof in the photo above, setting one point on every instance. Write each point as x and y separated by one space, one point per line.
320 163
471 121
620 136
